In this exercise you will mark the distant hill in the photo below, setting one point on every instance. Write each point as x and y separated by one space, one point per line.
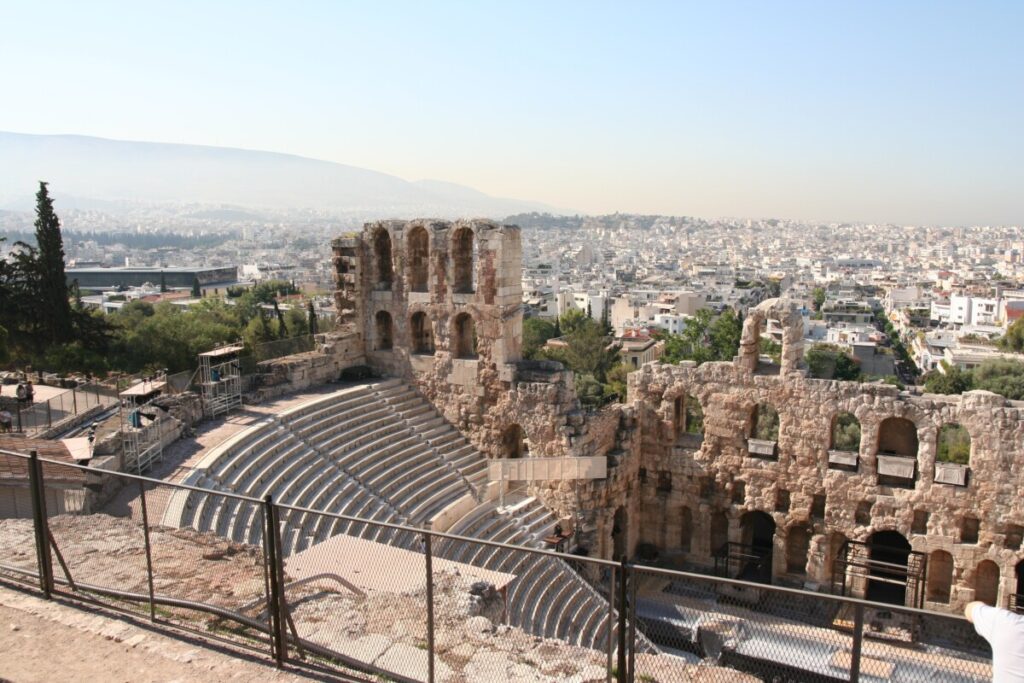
87 172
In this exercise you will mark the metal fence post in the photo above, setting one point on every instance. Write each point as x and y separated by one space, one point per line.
149 550
631 620
74 401
621 662
274 560
430 606
858 639
49 415
611 622
39 522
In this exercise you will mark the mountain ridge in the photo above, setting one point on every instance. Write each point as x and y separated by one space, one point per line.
102 170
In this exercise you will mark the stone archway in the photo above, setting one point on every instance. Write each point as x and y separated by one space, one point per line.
418 254
382 259
940 577
986 582
758 538
889 555
463 261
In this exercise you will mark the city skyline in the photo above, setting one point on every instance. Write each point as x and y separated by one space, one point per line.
869 113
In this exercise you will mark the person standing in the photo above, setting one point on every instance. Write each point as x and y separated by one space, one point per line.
1004 631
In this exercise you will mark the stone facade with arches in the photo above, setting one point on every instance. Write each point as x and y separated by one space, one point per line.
687 488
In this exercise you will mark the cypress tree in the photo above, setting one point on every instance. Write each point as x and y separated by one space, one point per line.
311 315
282 329
197 291
52 285
163 282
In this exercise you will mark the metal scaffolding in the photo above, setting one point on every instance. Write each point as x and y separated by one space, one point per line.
142 423
220 380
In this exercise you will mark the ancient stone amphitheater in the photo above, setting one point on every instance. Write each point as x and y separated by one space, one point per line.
821 481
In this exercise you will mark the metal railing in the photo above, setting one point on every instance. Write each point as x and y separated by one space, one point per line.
371 595
33 419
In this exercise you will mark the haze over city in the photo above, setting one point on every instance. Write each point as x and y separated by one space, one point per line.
875 112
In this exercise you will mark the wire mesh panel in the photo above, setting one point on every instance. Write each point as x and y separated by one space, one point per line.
208 548
734 629
18 558
357 600
506 613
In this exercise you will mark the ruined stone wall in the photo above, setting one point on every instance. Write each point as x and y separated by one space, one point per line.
687 483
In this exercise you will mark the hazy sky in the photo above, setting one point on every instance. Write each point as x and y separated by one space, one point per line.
886 111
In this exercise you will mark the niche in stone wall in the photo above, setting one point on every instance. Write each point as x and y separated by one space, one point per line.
418 258
862 515
940 576
463 261
422 332
464 336
782 500
385 272
798 540
385 331
952 455
920 523
969 527
986 582
764 432
818 506
718 531
1013 536
739 492
664 481
685 529
513 442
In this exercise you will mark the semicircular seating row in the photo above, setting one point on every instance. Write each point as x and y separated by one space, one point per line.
381 452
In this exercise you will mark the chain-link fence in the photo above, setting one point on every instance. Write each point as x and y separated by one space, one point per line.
363 593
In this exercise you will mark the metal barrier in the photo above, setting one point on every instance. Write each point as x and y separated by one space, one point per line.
36 418
346 593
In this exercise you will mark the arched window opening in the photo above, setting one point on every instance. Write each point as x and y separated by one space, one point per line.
1017 599
419 258
846 433
954 445
463 261
986 582
689 421
685 529
464 336
422 333
798 543
940 577
385 334
382 254
765 423
897 436
513 442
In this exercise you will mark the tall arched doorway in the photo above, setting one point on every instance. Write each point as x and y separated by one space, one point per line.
1017 599
758 538
889 553
986 582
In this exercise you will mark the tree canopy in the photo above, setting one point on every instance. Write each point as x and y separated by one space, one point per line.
1004 376
705 338
828 361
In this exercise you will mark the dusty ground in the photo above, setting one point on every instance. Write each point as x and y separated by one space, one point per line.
49 641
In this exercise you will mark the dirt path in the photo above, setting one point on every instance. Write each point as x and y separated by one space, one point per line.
48 641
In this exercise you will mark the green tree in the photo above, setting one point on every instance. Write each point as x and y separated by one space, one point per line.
53 308
572 320
163 282
1013 340
818 296
535 333
952 381
954 444
828 361
617 380
197 291
725 333
1003 376
282 329
4 353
